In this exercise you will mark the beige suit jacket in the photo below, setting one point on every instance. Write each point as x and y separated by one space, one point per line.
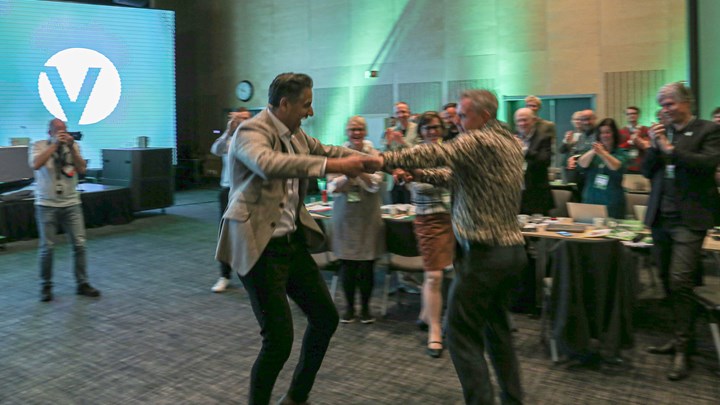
259 168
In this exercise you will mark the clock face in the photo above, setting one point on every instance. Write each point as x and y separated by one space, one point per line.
244 90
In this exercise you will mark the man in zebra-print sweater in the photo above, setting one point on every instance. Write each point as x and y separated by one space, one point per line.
483 168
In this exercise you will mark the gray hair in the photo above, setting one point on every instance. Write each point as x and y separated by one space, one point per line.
677 91
482 100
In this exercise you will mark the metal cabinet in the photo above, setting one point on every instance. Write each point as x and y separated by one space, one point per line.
148 172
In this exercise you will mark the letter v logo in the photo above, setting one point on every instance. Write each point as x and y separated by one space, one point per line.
80 86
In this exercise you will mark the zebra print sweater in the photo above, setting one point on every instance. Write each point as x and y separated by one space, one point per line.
483 168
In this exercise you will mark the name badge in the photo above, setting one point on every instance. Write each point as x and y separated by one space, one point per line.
670 171
601 181
353 196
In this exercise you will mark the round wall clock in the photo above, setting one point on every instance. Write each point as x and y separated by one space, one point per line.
244 90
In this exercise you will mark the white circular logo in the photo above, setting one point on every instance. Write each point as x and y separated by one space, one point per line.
80 86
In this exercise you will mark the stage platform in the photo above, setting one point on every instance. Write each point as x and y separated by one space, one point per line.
102 205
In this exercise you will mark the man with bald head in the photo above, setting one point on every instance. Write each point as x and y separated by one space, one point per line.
574 148
57 162
537 147
545 127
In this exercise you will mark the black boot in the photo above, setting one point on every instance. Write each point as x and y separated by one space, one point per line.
667 348
680 367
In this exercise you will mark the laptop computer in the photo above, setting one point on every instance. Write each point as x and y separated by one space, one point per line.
584 213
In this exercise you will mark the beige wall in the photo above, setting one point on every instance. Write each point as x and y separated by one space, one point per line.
543 47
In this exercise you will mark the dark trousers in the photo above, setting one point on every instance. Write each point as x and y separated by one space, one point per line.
286 269
677 251
477 318
357 274
225 269
400 194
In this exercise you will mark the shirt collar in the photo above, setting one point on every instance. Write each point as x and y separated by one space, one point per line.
282 129
528 135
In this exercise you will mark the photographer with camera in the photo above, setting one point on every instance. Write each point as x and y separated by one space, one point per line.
57 162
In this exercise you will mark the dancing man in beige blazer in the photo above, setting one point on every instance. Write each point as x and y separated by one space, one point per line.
266 231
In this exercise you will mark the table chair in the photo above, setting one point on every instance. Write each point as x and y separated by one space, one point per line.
326 260
636 183
632 200
402 255
561 198
636 205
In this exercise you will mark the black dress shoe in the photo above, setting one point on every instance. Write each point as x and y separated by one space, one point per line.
667 348
434 353
46 294
87 290
680 367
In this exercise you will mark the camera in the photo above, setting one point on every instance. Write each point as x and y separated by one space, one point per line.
76 135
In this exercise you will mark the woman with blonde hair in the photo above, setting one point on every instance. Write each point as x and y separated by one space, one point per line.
358 232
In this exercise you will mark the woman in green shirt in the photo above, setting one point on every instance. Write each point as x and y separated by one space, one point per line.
605 165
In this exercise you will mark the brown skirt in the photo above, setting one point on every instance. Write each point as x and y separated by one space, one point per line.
436 240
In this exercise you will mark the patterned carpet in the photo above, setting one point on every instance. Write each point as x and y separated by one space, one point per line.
159 336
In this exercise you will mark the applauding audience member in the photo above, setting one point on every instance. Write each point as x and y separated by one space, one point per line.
220 148
433 229
537 147
449 116
684 203
402 135
358 230
605 165
576 147
634 137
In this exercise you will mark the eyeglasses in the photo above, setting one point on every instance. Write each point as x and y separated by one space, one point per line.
354 129
432 127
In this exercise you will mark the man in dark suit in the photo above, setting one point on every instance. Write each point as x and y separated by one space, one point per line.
545 127
537 146
266 231
684 203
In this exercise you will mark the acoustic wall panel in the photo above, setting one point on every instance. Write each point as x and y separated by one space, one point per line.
636 88
373 99
421 97
331 110
455 87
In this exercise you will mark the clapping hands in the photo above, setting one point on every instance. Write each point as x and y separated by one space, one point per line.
599 149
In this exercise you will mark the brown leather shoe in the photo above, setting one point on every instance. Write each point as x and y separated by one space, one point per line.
680 367
286 400
667 348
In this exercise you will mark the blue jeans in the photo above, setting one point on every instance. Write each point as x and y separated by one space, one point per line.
49 219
